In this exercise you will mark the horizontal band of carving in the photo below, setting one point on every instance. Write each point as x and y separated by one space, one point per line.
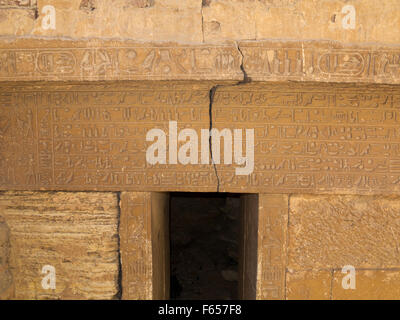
32 59
307 138
320 61
94 60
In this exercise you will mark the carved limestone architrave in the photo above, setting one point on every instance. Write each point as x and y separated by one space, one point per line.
341 138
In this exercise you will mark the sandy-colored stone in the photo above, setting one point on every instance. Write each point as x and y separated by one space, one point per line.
16 21
197 21
96 60
308 285
308 138
370 285
272 246
6 279
376 21
335 231
144 229
76 233
93 60
141 20
327 61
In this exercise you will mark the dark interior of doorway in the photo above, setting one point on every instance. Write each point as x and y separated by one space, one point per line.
204 231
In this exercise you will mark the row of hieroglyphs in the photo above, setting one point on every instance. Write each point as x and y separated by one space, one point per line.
120 62
67 60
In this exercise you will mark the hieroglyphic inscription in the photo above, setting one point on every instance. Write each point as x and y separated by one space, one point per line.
63 60
136 256
320 139
308 138
262 61
319 61
272 229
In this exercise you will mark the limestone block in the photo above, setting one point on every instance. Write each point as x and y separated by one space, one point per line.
76 233
370 285
197 21
116 60
6 280
272 246
308 138
95 59
308 285
334 231
375 21
18 3
144 233
16 22
329 61
143 20
224 20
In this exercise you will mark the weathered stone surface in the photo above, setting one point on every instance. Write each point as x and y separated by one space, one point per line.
308 139
334 231
375 21
18 3
272 246
319 61
261 61
197 21
144 245
370 285
6 279
76 233
136 252
141 20
308 285
116 60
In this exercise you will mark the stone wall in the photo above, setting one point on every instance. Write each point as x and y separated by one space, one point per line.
226 44
327 233
303 251
76 233
205 21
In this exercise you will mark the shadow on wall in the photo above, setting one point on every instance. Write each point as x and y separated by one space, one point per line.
204 246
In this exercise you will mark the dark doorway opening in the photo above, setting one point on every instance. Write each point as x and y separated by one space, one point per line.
205 239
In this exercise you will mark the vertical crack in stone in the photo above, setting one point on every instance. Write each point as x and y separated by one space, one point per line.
202 20
212 94
246 79
119 279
